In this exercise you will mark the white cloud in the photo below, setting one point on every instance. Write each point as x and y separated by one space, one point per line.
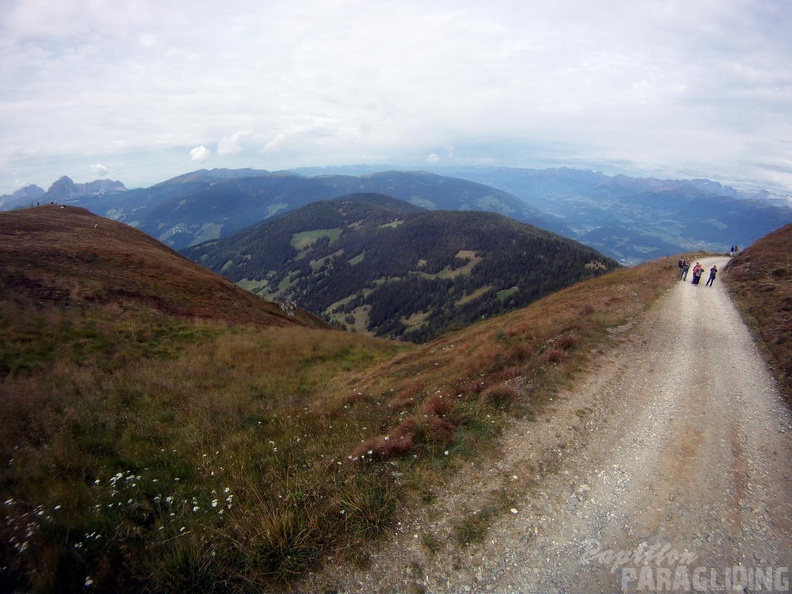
199 153
99 171
233 144
675 86
432 158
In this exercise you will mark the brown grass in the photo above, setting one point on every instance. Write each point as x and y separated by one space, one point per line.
760 281
69 256
501 397
148 451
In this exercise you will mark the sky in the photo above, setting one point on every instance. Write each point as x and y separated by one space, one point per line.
144 90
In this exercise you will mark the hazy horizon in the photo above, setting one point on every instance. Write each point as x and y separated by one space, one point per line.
141 91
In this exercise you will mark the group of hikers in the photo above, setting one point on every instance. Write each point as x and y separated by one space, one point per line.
698 270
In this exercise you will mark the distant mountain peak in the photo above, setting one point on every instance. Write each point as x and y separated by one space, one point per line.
63 183
31 191
64 189
21 197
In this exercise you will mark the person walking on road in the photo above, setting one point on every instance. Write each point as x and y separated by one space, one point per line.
685 269
697 270
713 272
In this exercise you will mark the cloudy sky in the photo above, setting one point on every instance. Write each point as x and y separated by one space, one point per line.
142 90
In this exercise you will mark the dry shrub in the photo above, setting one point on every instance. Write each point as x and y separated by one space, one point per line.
519 353
398 443
501 397
510 373
555 356
401 439
476 387
356 397
408 395
438 431
565 342
437 404
411 435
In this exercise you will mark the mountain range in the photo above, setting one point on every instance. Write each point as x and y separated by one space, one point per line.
634 219
629 219
385 266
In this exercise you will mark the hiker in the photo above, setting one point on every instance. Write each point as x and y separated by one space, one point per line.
680 267
696 273
713 272
685 269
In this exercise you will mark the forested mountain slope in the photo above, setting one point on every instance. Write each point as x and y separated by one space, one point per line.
381 265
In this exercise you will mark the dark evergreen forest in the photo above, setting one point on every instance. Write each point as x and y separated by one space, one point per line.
450 268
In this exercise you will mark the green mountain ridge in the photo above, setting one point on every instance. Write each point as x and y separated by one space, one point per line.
631 220
378 264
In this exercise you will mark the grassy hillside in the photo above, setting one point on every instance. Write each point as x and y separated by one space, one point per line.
67 256
381 265
145 450
760 281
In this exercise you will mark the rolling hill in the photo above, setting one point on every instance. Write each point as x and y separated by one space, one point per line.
67 257
382 265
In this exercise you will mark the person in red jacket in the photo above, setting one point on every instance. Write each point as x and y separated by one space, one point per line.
697 270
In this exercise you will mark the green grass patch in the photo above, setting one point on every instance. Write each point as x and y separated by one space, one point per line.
506 293
305 239
472 528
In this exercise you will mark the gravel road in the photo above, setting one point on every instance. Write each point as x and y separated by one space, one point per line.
667 468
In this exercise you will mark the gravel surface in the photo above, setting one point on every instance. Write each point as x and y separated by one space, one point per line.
668 467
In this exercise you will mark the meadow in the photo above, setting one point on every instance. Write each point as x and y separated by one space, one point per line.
145 451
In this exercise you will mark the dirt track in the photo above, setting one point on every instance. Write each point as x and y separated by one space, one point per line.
671 470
